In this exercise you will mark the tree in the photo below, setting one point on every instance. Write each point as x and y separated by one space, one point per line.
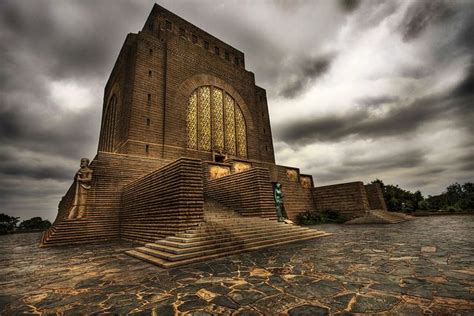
456 197
7 223
398 199
35 223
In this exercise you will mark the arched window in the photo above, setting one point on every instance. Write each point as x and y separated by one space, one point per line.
215 122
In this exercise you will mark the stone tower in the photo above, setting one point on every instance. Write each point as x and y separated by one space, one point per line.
177 91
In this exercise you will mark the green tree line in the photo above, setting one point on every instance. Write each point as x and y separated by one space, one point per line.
9 224
456 197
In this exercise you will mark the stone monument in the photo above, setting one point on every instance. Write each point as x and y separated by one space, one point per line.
186 144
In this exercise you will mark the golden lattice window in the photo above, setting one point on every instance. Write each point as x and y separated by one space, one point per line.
215 122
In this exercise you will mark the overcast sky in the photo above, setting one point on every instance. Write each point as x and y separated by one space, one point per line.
356 90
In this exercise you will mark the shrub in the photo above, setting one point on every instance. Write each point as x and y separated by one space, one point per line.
7 223
318 217
35 223
452 209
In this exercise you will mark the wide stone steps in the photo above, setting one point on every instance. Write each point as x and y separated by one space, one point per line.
241 227
171 264
78 231
63 241
223 232
225 242
237 233
199 251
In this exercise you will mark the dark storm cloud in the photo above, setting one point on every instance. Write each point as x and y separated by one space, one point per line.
46 44
420 15
466 87
409 158
72 39
35 172
306 72
352 165
400 120
431 172
468 165
358 122
379 100
64 137
349 5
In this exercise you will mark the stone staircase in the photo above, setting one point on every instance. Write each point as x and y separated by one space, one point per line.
78 231
223 232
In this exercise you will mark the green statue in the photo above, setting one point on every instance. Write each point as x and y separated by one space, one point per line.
278 196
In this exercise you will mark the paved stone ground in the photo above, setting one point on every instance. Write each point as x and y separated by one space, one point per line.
425 266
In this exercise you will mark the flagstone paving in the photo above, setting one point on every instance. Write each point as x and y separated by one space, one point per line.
425 266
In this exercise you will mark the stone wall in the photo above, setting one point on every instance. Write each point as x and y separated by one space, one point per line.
248 192
164 202
297 198
375 197
348 199
110 173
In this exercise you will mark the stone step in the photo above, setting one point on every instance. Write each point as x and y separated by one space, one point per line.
198 253
223 232
171 264
204 230
238 234
175 242
220 242
76 240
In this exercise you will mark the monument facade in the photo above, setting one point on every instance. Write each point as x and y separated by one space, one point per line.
186 141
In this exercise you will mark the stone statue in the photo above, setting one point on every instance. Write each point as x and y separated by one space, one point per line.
82 181
278 196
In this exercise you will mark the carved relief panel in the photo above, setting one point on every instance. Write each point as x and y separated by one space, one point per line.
306 181
218 171
240 166
292 175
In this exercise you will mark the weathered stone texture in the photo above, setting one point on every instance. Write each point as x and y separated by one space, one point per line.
248 192
111 173
375 197
164 202
348 199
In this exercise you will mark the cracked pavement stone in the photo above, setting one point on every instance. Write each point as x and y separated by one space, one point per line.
308 310
424 266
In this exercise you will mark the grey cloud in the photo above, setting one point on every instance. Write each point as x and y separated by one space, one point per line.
406 159
51 171
400 120
415 72
379 100
349 5
72 39
306 72
431 172
467 160
71 136
420 15
466 86
353 166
